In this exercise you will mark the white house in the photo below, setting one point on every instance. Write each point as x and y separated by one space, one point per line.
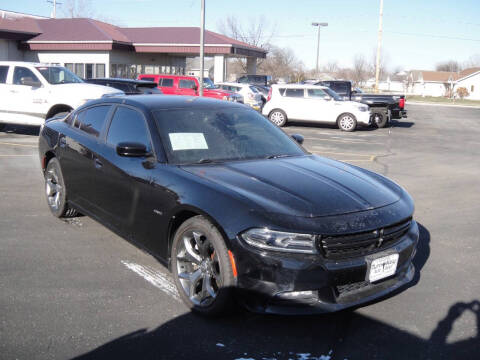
469 79
430 83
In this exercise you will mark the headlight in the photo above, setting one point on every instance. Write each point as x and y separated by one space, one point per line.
363 108
280 241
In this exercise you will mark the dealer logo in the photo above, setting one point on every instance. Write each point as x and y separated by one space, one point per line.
380 239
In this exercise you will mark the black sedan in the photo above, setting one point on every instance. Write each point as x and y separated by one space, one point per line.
236 208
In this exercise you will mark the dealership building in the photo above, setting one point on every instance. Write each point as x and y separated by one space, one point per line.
91 48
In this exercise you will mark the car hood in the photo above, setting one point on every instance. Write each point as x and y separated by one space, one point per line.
85 91
307 186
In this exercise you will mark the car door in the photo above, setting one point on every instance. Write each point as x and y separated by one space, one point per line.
27 103
319 106
166 85
187 87
4 93
293 102
124 182
78 154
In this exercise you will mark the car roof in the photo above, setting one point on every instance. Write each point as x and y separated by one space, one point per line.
24 63
299 86
122 80
148 102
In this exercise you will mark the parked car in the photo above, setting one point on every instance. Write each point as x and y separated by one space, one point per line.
263 90
251 96
234 205
383 106
33 92
188 85
128 86
313 103
264 80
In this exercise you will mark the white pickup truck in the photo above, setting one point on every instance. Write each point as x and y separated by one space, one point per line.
33 92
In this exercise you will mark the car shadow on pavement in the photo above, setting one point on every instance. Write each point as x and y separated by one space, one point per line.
343 335
21 129
304 124
401 124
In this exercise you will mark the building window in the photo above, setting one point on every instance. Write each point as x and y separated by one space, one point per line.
100 70
89 71
69 66
471 89
80 70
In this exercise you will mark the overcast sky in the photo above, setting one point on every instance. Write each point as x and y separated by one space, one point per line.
417 33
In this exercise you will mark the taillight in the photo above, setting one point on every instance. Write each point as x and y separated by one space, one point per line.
401 103
269 97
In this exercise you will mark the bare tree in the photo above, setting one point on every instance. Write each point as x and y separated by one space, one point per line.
450 65
384 59
282 63
258 33
331 67
360 70
473 61
78 8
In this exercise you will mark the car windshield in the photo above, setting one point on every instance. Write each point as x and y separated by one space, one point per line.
58 75
225 134
333 94
208 84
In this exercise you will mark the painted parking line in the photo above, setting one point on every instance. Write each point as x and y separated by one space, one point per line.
15 144
352 141
156 278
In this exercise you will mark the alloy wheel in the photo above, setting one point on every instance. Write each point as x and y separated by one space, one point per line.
277 118
53 189
347 122
198 268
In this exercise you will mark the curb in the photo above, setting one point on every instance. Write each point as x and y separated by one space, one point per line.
440 104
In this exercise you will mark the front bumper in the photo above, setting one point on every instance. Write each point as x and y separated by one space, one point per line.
304 284
363 117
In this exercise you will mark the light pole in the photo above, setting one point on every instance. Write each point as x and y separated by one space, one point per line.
202 49
318 41
379 46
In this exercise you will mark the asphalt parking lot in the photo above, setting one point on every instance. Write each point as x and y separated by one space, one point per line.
73 289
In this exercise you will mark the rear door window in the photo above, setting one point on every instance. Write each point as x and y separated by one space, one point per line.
297 93
92 120
166 83
3 74
148 78
186 84
22 73
128 125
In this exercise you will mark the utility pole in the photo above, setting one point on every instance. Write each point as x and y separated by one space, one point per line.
318 41
54 12
379 46
202 49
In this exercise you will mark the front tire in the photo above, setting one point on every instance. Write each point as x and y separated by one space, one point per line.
278 117
347 122
201 267
56 191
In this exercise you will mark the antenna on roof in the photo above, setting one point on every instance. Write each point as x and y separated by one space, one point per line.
54 11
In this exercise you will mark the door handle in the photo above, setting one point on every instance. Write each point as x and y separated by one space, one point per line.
98 164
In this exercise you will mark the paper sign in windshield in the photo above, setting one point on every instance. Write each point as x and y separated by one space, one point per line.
188 141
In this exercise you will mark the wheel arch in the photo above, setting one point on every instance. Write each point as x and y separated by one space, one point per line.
182 214
58 108
49 155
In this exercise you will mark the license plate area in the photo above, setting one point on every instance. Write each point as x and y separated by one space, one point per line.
383 267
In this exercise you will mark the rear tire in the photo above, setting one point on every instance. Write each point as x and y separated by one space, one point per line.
201 267
56 191
278 117
380 120
2 126
347 122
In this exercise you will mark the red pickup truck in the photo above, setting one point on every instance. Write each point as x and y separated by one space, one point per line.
188 85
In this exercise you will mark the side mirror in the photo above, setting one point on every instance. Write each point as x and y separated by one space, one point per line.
195 87
354 92
327 98
129 149
28 81
298 138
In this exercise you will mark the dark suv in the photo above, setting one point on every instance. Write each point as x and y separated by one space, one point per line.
128 86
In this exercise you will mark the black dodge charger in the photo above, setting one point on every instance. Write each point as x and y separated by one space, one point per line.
236 208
